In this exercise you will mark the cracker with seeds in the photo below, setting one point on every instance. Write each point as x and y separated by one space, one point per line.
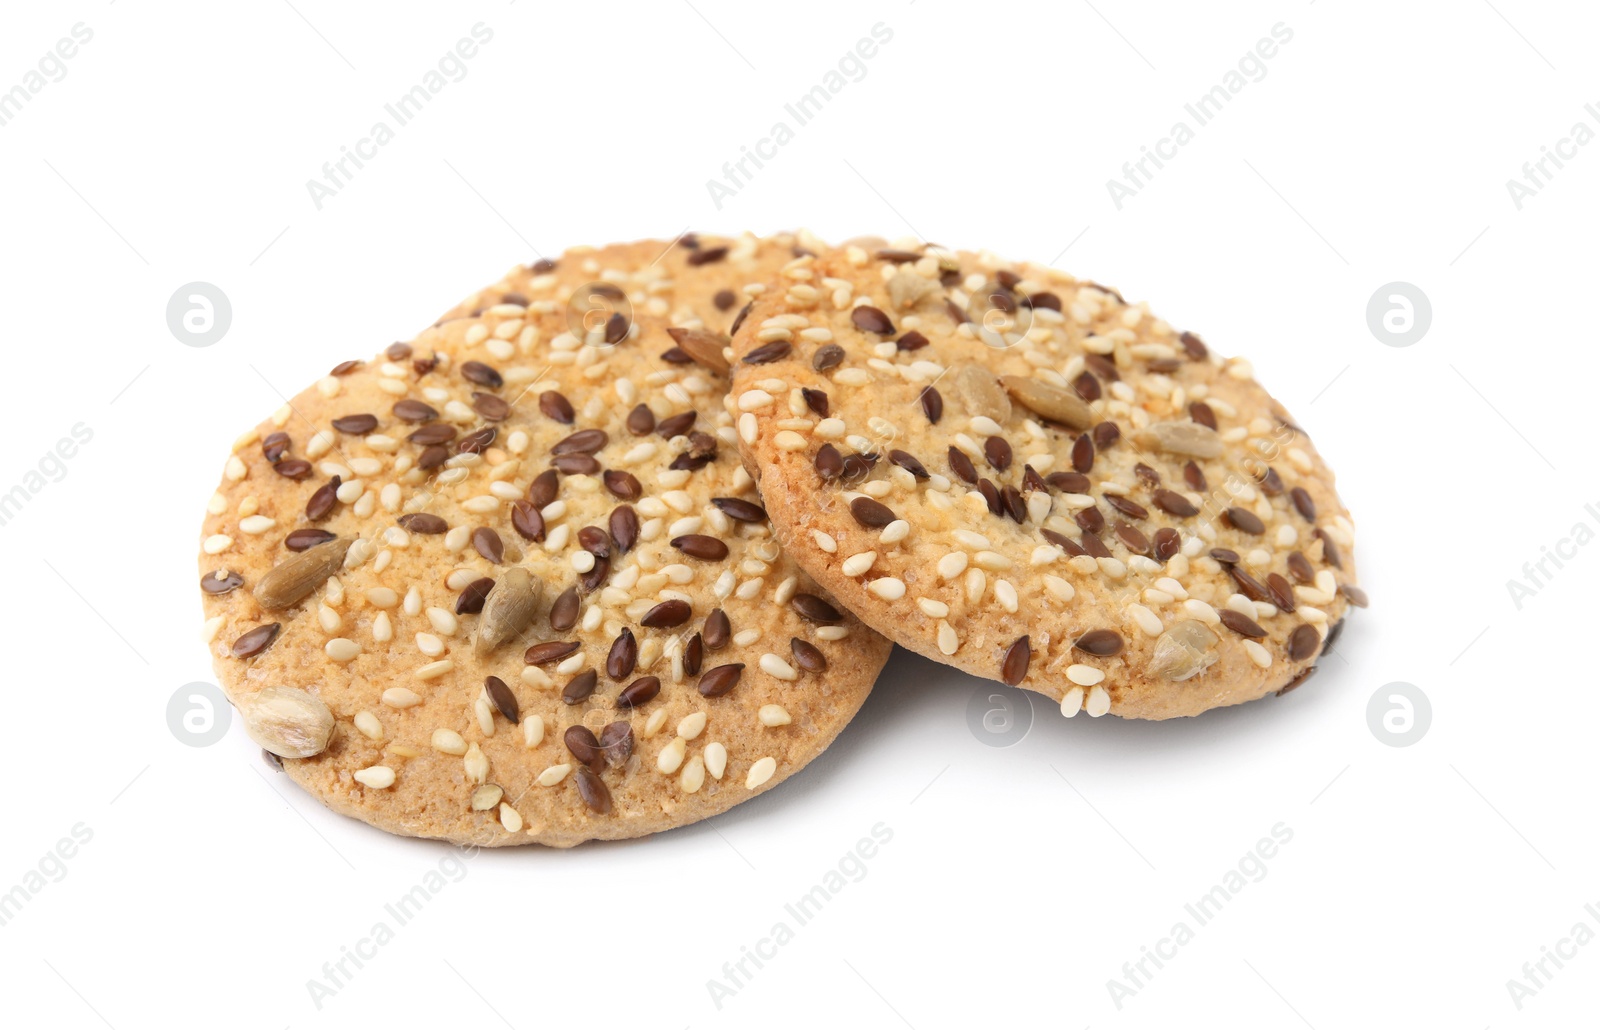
508 582
1022 475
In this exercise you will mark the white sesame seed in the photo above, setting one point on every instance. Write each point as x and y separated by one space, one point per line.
1145 619
933 609
1168 585
1059 588
429 645
1201 611
829 429
777 668
319 444
993 561
532 731
948 640
342 650
382 628
1098 702
671 756
1258 654
761 772
368 724
1084 675
255 525
773 715
554 775
952 565
1044 554
217 543
658 719
789 440
716 759
442 620
746 637
975 584
433 670
895 531
755 400
475 764
1006 594
382 597
449 741
889 588
378 777
691 725
1072 702
858 564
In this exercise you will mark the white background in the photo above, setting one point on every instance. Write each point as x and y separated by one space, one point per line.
1018 880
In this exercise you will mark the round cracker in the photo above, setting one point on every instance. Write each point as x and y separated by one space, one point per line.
402 597
868 365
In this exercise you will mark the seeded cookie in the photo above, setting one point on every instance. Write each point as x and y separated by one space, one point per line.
1020 474
509 583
